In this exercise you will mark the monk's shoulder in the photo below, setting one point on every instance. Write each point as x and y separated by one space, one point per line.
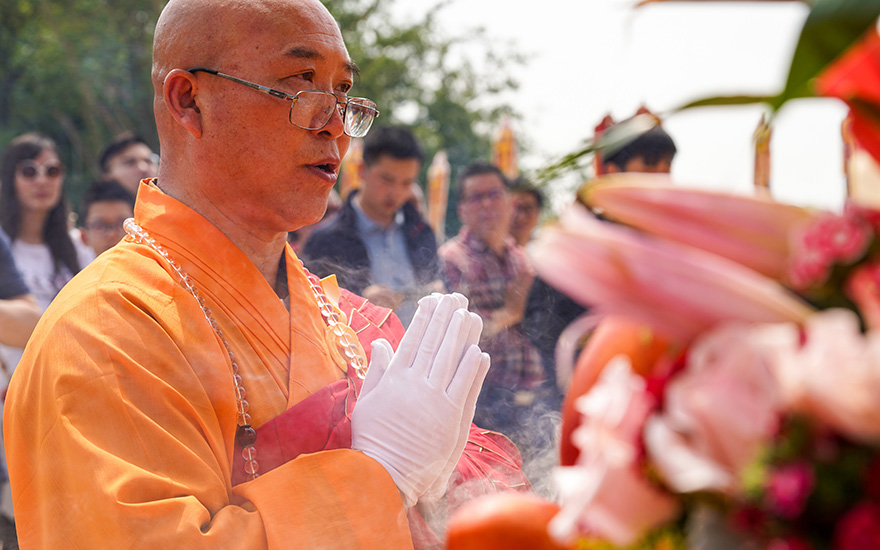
122 316
111 301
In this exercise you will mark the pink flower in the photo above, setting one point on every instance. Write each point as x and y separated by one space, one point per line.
719 412
604 494
859 528
828 240
752 231
832 375
808 268
865 214
788 488
863 288
841 238
678 290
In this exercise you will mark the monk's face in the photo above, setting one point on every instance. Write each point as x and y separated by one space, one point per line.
265 173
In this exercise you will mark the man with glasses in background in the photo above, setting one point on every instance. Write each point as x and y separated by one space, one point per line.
195 387
104 207
484 263
379 245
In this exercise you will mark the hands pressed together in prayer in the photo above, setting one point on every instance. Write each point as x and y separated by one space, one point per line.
416 405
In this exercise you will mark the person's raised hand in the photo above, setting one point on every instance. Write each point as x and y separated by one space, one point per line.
415 407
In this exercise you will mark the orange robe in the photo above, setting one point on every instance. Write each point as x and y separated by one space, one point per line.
120 420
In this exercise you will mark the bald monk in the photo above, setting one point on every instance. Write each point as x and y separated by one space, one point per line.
163 375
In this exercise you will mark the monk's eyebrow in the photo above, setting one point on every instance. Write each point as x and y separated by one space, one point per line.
302 52
353 68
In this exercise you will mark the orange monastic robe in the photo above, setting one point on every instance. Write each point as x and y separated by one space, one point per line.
120 419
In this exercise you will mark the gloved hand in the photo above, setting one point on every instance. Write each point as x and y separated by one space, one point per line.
470 338
412 406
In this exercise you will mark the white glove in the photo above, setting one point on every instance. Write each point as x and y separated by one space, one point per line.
411 409
470 338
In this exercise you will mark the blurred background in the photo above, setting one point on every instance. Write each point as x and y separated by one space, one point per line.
78 70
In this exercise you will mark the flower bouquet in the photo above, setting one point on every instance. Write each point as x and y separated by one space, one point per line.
729 398
760 421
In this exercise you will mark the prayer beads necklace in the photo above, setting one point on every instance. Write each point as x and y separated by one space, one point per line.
346 342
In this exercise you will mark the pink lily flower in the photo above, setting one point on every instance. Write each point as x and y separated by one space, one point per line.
753 231
679 290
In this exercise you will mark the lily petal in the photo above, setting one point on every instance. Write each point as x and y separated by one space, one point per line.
677 289
753 231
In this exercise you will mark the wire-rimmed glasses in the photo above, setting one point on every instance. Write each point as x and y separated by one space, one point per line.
313 109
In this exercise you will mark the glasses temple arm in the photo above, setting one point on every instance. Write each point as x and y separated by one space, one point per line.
255 86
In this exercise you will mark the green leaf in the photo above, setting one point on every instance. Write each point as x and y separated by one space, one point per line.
616 137
723 101
830 29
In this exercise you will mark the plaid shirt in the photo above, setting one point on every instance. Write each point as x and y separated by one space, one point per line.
470 267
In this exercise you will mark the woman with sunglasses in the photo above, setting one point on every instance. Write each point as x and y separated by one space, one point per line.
34 214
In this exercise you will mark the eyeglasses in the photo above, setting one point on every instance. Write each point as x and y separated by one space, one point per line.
136 162
525 208
102 226
29 169
493 195
313 109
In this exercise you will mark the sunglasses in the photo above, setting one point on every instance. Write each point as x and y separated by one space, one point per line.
29 169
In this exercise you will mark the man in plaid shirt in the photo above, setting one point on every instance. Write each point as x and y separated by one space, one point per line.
484 263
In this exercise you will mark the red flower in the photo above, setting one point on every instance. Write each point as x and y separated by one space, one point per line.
787 489
870 216
859 528
855 78
748 519
863 288
826 241
872 480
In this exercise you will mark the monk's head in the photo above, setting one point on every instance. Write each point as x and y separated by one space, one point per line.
230 151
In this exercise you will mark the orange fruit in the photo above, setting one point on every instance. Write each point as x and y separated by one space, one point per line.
503 521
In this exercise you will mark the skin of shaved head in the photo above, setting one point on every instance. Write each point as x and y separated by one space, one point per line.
229 152
210 33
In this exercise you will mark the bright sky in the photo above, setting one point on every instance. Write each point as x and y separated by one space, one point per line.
592 57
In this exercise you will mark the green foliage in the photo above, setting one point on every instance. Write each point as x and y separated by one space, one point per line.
616 137
831 27
419 78
79 71
665 538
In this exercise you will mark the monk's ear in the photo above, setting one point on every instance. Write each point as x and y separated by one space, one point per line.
180 90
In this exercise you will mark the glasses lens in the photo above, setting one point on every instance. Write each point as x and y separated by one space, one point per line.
359 116
312 110
30 170
493 195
